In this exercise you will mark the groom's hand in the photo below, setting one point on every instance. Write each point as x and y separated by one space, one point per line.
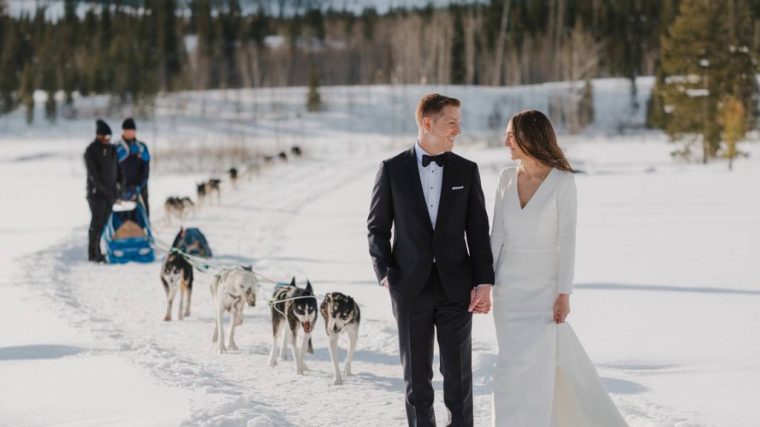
480 299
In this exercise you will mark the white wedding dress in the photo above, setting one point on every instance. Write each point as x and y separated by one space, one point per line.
543 376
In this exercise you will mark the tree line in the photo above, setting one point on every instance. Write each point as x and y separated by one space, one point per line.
701 51
136 49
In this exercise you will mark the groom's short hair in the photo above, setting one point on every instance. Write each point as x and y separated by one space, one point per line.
434 103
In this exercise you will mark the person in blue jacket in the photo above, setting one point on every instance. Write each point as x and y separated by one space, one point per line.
134 161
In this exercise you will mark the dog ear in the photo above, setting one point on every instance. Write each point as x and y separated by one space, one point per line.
308 286
293 281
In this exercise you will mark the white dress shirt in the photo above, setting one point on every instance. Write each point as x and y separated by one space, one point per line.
431 177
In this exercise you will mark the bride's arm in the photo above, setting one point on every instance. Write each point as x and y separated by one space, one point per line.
568 211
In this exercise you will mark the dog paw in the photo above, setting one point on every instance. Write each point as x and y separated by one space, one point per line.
167 318
233 347
347 373
272 362
337 381
222 350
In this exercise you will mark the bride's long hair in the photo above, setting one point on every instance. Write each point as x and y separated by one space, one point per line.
534 134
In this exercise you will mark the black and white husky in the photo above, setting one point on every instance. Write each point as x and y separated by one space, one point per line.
177 274
293 307
341 314
230 291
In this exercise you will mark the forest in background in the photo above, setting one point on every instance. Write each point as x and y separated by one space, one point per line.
702 52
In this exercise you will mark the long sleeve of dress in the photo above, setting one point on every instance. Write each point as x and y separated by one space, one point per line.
567 205
497 231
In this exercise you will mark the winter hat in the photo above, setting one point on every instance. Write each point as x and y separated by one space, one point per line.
102 128
129 124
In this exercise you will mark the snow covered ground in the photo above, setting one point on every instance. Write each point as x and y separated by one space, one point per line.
666 284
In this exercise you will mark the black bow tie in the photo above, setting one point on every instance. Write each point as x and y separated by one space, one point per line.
439 159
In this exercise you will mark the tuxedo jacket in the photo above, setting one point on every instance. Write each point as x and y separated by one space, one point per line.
459 243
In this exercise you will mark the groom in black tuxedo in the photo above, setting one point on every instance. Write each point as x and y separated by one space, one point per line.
439 268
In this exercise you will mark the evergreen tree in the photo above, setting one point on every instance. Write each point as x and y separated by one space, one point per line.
169 51
315 23
8 70
313 100
259 27
103 64
26 92
737 76
50 86
458 60
705 56
691 54
656 118
203 25
231 26
369 22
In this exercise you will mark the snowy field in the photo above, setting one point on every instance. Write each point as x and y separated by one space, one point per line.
667 292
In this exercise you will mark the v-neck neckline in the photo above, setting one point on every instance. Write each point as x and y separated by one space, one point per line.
517 188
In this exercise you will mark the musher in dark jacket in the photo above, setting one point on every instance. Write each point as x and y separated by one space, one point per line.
104 181
134 161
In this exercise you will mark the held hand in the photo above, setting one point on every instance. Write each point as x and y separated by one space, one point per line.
480 300
561 308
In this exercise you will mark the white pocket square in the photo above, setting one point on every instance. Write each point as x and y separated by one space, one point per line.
458 188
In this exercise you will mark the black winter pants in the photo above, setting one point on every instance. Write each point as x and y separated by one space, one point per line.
100 209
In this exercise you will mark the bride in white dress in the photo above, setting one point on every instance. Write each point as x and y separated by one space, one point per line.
543 376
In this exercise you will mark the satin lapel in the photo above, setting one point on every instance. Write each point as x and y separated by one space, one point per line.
414 180
443 205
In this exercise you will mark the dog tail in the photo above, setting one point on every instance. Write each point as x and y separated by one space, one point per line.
310 349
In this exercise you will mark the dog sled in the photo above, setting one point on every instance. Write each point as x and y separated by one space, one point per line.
128 236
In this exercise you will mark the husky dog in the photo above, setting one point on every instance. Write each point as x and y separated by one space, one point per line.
177 273
233 172
213 186
341 314
177 207
201 192
187 204
293 307
230 291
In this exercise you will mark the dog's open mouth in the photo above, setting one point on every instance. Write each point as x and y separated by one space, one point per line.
307 326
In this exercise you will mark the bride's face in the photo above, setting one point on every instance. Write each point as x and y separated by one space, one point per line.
509 142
